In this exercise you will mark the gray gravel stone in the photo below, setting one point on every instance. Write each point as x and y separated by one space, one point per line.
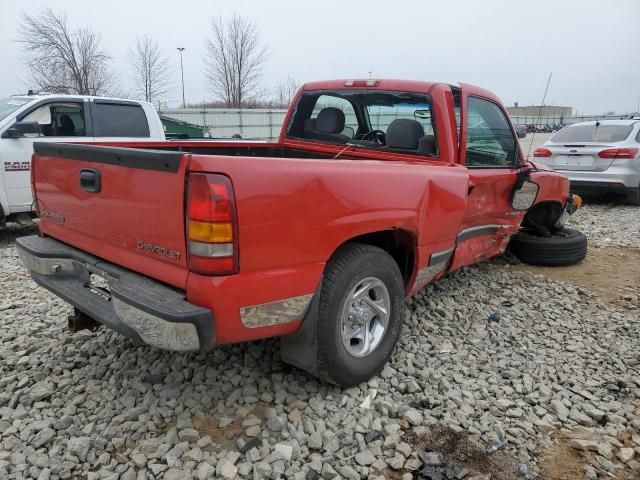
625 454
177 474
79 447
275 424
434 459
365 458
228 471
348 472
413 417
189 435
43 437
262 470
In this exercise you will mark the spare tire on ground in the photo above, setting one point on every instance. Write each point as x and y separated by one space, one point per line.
564 247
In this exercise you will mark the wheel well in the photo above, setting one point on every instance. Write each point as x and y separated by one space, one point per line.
543 215
400 244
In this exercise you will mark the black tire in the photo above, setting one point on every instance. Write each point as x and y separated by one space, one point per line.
565 247
633 197
349 266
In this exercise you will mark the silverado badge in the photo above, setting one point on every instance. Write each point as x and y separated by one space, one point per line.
158 250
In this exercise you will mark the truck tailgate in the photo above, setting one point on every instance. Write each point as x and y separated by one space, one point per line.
121 204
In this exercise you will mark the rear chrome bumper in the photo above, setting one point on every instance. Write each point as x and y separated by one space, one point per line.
131 304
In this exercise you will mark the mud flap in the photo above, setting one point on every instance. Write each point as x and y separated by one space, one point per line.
300 349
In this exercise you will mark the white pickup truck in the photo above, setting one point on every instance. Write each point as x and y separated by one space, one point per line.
61 118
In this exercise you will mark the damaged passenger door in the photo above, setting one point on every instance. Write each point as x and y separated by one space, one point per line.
490 151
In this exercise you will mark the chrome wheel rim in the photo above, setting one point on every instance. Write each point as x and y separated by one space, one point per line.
365 317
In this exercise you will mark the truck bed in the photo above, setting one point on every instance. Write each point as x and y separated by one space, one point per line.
293 212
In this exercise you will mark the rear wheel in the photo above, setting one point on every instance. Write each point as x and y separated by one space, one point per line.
633 196
360 314
564 247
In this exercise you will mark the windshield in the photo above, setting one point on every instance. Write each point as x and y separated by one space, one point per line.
592 133
10 105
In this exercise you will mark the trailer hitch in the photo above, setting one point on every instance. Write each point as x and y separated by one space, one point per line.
81 321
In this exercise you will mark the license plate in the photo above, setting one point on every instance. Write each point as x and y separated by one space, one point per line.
574 160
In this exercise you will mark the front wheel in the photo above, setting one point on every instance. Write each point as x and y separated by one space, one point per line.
360 314
564 247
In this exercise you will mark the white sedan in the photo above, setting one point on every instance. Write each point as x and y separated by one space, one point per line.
597 156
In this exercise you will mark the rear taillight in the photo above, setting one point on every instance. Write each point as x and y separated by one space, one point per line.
212 230
542 152
618 153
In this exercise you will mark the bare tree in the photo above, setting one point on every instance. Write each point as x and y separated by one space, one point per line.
150 68
62 59
234 58
285 90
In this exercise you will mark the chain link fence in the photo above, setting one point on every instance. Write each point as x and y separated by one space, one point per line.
229 122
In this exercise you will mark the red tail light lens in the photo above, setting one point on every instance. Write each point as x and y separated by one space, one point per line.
618 153
212 230
542 152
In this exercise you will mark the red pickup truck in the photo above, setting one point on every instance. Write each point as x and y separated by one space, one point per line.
374 189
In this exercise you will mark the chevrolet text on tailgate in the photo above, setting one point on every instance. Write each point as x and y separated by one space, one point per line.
374 189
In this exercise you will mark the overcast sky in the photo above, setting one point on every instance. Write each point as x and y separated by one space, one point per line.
591 46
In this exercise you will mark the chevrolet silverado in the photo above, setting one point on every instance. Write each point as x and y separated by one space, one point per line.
374 189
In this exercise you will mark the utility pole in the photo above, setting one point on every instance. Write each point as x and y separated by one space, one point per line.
181 49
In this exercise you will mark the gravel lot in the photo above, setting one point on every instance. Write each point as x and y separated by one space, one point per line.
555 374
609 224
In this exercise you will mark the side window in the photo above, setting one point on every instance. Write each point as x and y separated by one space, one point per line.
60 119
119 120
638 137
490 141
350 119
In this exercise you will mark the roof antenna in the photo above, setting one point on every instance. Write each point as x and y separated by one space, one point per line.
539 114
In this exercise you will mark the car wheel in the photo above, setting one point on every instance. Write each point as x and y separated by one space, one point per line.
633 196
565 247
360 314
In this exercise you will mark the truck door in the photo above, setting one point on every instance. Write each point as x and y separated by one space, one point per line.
60 121
490 150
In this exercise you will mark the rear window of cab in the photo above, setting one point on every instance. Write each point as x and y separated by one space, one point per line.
373 119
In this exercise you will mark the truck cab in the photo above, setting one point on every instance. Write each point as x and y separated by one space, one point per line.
61 118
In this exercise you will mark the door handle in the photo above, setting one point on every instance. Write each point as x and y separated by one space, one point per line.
90 180
472 185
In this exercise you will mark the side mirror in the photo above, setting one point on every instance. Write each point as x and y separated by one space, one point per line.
520 131
524 195
23 129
